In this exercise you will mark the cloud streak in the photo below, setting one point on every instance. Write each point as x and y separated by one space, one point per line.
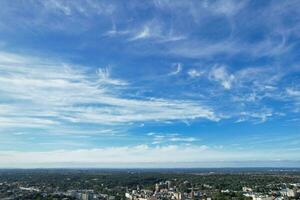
36 92
139 155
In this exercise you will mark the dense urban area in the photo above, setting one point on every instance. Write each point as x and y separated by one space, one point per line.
138 184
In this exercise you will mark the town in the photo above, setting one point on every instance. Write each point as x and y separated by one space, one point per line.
149 185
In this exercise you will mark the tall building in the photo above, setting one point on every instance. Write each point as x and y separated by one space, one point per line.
87 196
178 195
157 187
169 184
192 193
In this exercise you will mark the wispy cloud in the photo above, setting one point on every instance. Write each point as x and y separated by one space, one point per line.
156 31
138 155
144 33
245 91
183 139
104 77
164 138
292 92
153 30
115 32
194 73
59 94
220 74
85 7
177 70
219 7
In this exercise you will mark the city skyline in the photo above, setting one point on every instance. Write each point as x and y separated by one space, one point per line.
149 84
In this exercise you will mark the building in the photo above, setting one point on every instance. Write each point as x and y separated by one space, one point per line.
247 189
87 196
288 192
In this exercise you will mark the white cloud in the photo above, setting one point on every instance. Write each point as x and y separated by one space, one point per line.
159 138
58 5
144 33
220 74
294 95
115 32
41 92
225 7
269 47
177 71
183 139
262 115
104 77
156 31
138 155
85 8
151 133
293 92
199 9
194 73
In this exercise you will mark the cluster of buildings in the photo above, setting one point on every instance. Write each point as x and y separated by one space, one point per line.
12 191
87 195
165 190
282 194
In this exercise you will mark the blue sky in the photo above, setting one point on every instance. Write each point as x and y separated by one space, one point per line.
149 83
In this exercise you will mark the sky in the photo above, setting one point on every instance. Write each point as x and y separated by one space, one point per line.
156 83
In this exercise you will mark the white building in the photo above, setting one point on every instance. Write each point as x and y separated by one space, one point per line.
247 189
259 197
288 192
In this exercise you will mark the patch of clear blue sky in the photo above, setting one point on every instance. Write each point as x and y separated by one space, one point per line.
240 59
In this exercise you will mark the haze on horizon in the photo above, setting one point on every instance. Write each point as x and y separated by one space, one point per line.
153 83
